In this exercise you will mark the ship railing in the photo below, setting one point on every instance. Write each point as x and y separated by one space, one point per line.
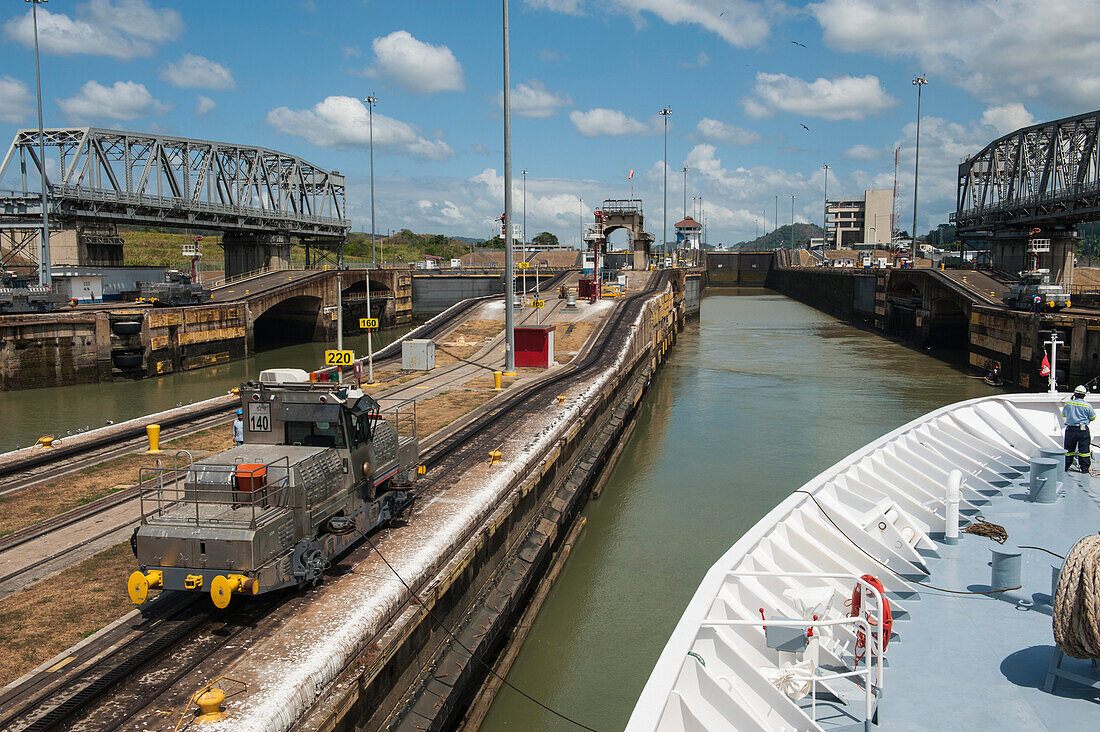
874 668
211 494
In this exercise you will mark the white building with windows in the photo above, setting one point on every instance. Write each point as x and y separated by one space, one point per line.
852 223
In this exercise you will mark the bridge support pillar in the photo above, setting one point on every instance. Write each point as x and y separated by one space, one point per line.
1010 254
642 243
250 252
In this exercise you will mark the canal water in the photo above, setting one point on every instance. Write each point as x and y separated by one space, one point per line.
759 395
31 413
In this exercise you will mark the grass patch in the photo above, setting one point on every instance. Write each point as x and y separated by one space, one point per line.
40 502
437 412
570 338
43 620
467 340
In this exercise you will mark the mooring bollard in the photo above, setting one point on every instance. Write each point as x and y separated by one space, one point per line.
1043 480
1058 455
1006 568
153 432
496 380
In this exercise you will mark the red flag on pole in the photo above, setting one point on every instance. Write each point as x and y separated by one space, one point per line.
1044 370
631 176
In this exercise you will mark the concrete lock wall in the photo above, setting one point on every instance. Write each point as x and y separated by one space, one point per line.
246 253
432 294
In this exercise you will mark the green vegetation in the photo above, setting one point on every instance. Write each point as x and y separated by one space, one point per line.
545 239
150 247
785 237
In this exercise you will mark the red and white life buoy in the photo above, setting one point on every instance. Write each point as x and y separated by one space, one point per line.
856 604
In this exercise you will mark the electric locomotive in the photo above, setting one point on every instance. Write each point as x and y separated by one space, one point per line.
320 467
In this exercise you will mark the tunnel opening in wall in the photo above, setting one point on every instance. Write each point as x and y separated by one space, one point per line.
949 326
382 305
294 320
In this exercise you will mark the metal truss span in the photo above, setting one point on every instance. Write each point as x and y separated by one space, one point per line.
1045 174
132 177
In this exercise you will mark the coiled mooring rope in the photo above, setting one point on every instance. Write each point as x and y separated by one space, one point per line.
981 527
1077 601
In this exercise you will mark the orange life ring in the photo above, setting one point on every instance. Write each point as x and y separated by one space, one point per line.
887 617
72 302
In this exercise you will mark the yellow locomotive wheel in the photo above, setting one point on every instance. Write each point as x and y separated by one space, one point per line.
138 587
221 591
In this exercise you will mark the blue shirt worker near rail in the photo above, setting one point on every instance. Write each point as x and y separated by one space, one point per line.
238 428
1078 415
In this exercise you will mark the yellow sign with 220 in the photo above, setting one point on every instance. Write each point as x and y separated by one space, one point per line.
339 358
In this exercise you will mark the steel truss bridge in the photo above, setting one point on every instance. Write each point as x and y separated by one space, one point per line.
116 177
1043 175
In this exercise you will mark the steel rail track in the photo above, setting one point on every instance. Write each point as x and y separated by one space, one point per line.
75 694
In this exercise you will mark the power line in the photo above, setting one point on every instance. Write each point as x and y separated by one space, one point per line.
488 668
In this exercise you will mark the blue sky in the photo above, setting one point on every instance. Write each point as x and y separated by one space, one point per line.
589 77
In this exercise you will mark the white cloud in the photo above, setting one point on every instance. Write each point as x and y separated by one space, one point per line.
600 122
840 98
123 100
700 61
344 122
204 106
999 52
15 100
1007 117
349 52
863 152
534 100
741 23
718 131
569 7
198 72
123 30
418 66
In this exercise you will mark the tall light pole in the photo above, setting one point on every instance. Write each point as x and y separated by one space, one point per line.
664 225
509 273
825 213
792 217
523 244
45 277
777 212
918 81
371 101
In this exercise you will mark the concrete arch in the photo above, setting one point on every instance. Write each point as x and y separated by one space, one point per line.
296 319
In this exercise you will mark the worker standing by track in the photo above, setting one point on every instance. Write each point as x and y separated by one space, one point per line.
238 428
1078 415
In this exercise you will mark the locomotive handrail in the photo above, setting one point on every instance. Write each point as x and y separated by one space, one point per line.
196 492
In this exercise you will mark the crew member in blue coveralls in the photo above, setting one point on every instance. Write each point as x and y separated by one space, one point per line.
1078 415
238 428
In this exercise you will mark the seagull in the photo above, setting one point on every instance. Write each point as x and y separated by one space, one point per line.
802 45
804 127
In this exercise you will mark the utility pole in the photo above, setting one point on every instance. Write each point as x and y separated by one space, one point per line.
777 212
45 276
825 213
509 273
371 101
918 81
523 244
664 226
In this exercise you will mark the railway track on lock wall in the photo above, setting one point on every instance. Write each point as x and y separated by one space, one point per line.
180 632
110 448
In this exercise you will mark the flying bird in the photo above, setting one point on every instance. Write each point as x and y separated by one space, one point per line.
802 45
804 127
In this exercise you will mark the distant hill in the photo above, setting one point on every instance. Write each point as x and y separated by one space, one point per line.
786 236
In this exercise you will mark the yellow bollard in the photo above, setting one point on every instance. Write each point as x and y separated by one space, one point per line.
153 431
496 380
46 441
210 705
561 398
494 456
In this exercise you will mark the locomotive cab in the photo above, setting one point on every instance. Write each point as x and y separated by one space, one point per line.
321 466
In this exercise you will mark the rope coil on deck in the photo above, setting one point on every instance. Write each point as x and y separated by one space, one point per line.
1077 601
981 527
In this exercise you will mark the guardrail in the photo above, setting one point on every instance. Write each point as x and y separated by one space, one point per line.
224 281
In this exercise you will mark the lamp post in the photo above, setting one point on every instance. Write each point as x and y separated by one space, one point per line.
664 225
918 81
825 212
509 273
523 244
371 101
45 277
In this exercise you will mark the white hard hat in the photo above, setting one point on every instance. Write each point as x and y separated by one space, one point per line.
1081 390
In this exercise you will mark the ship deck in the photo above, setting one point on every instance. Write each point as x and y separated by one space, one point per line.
960 655
975 661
